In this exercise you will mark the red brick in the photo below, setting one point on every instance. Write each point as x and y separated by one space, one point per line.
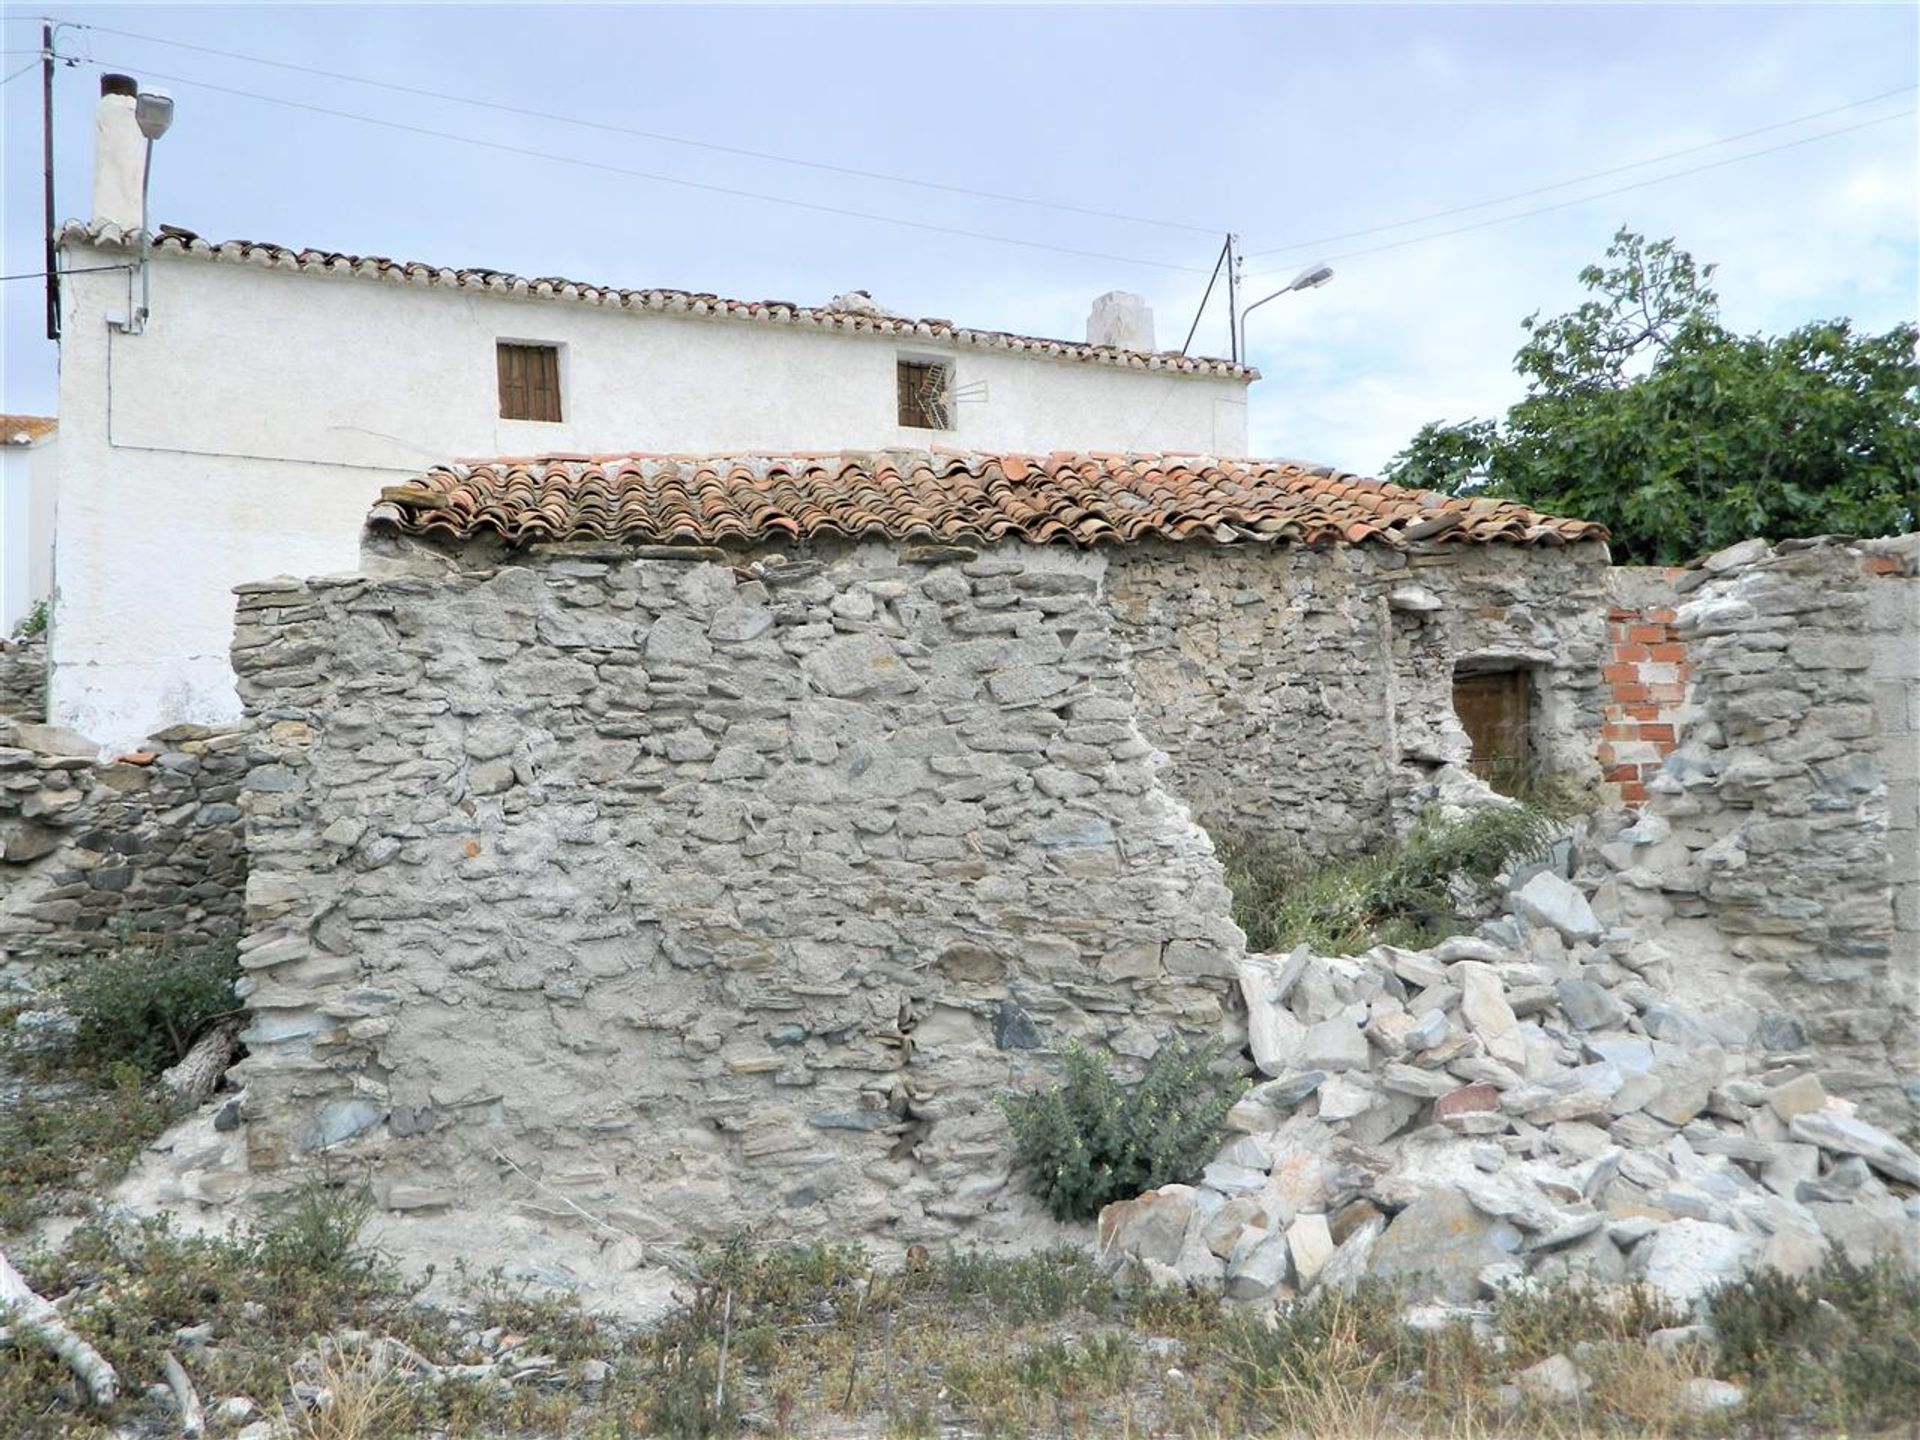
1480 1098
1628 652
1669 651
1628 695
1648 634
1619 674
1659 733
1621 774
1633 793
1661 617
1881 565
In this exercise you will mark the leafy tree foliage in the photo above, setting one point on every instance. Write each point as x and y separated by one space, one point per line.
1645 413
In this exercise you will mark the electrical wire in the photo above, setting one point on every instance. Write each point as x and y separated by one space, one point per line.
662 137
77 270
30 65
1300 245
1600 195
659 178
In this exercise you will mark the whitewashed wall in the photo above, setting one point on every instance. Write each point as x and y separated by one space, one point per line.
245 434
27 479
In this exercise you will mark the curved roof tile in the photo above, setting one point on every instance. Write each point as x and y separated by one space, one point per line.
925 495
172 240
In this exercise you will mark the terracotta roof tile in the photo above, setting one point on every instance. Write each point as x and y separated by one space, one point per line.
171 240
922 495
26 429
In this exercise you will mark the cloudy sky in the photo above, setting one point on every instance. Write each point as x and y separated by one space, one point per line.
1312 132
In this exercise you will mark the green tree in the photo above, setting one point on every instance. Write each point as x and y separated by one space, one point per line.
1645 413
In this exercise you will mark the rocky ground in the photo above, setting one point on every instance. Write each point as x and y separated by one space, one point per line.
1529 1104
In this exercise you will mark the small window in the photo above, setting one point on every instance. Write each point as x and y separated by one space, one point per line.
1496 710
925 399
529 382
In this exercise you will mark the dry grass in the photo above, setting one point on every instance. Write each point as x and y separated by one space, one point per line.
814 1342
355 1395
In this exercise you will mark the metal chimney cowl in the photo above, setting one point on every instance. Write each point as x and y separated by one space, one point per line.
1122 320
119 155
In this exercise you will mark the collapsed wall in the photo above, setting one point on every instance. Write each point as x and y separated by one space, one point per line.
147 846
1781 840
1305 695
700 890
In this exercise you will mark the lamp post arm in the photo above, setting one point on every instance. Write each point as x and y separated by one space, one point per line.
1249 310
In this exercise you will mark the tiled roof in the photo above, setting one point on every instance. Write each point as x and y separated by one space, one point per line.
26 429
936 496
172 240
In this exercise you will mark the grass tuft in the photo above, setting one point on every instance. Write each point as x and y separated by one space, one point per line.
1406 894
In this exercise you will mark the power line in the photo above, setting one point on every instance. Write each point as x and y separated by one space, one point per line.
1603 194
30 65
660 136
1582 179
660 178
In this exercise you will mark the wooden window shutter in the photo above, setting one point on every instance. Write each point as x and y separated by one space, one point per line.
1495 709
921 394
529 382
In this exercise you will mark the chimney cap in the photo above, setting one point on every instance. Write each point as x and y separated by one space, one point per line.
111 84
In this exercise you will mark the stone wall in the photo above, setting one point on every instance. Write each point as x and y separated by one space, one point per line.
23 679
1779 836
1646 677
696 890
149 845
1306 695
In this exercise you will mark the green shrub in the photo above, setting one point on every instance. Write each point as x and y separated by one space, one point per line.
146 1005
34 623
1091 1139
1404 894
1840 1345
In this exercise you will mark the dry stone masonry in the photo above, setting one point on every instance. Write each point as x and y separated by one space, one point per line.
683 889
1305 694
148 845
1780 837
23 680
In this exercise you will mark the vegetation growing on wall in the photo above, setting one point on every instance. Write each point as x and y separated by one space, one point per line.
1646 413
1405 893
1093 1139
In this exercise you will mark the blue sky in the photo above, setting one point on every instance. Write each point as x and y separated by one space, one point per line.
1286 123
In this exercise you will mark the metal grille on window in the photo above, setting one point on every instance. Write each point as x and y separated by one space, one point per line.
924 392
529 382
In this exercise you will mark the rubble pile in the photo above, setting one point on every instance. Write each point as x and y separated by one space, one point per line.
1527 1103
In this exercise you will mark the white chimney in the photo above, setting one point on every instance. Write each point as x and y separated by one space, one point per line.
1122 321
119 155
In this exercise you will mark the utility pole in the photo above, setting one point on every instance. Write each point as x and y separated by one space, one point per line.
46 166
1233 297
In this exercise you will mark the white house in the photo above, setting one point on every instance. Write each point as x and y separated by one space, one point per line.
240 428
26 515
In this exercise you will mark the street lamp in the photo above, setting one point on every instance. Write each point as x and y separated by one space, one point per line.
1312 278
153 113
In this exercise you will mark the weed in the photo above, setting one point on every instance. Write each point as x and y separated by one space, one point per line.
354 1396
54 1146
1404 894
1840 1346
1535 1320
34 623
145 1005
317 1232
1091 1140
